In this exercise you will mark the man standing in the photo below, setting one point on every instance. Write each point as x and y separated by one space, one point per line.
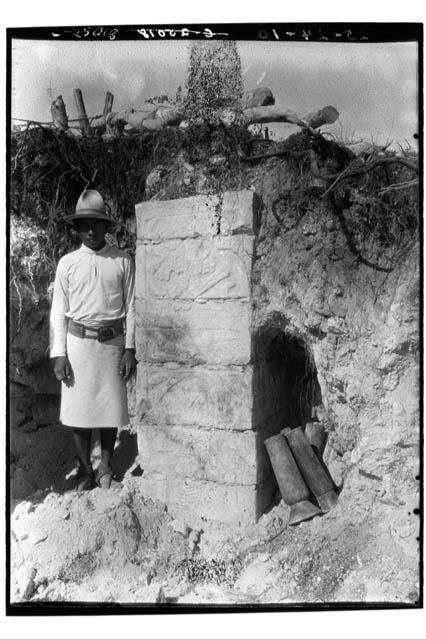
92 337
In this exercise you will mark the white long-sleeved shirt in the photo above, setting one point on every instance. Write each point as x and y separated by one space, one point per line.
92 287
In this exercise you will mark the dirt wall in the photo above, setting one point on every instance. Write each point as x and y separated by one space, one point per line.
360 323
353 317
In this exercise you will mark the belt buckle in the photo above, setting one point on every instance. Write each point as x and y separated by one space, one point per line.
106 333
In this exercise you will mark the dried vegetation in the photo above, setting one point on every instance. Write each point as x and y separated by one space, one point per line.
374 195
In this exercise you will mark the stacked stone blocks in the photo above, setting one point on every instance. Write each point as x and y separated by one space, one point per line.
198 444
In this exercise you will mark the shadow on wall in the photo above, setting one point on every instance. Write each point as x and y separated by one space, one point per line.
285 389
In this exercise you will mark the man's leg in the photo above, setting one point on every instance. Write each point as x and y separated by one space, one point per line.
108 437
82 439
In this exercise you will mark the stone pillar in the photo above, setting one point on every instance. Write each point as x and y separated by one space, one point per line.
199 446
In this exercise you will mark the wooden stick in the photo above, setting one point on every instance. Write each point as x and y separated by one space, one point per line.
333 184
98 122
369 166
173 116
400 185
313 120
272 154
81 111
37 122
109 99
59 114
259 115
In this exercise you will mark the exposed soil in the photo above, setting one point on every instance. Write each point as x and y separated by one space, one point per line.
116 546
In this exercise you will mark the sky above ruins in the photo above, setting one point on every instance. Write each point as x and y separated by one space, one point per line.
373 86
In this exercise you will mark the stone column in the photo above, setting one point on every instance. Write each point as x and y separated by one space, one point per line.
198 444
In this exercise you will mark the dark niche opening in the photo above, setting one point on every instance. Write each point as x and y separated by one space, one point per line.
301 385
285 389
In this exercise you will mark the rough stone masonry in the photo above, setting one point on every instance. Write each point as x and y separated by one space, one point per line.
199 435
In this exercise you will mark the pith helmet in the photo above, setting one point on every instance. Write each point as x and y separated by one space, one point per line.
90 205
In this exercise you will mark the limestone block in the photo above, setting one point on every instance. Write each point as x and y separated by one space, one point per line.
215 332
195 269
200 454
173 394
239 212
158 220
189 498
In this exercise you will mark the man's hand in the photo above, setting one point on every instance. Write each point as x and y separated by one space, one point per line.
128 364
62 368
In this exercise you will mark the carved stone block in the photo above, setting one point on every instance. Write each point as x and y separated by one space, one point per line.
198 410
196 499
200 454
218 398
195 269
183 331
206 216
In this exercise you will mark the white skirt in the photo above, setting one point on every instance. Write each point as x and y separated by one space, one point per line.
95 397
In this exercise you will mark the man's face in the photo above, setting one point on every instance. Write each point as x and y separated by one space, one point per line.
91 232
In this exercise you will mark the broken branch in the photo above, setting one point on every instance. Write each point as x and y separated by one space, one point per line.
313 120
272 154
109 99
154 117
81 111
400 185
59 114
369 166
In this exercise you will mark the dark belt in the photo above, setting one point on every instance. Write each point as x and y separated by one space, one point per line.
102 334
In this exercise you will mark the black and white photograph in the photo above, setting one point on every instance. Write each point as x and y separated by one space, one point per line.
214 331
